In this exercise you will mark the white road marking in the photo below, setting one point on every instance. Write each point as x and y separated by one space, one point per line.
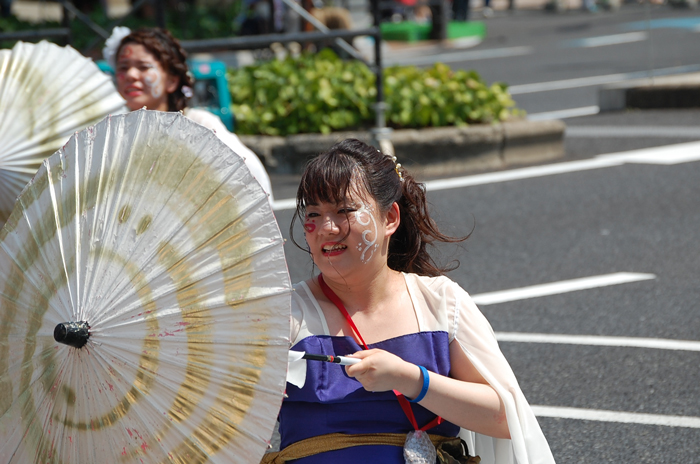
669 154
616 416
522 173
596 340
454 57
633 131
597 80
666 155
555 288
604 40
563 114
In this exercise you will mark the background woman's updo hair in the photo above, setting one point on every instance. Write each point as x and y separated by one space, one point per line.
171 56
329 177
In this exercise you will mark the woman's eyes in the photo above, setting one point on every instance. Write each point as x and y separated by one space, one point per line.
142 68
343 211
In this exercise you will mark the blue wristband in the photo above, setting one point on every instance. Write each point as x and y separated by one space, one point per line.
426 384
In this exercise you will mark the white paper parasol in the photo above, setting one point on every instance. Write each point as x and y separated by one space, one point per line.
47 93
151 236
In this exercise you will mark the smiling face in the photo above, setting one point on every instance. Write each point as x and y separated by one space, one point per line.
141 79
345 237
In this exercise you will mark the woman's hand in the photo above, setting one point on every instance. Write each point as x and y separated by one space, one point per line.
380 370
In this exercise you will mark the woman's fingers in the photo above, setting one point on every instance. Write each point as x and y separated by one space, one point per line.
380 370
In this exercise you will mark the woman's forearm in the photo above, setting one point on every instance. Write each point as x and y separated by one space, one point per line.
474 406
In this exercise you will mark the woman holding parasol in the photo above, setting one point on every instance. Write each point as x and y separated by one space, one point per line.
151 72
430 367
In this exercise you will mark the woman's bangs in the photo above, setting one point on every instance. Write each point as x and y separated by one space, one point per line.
327 180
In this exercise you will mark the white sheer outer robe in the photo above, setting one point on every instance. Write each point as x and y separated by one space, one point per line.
442 305
212 121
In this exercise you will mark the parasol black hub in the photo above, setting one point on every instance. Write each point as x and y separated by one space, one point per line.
72 333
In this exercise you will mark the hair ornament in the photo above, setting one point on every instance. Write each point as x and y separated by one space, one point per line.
397 168
187 91
109 51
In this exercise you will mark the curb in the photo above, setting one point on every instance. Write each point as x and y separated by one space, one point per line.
432 151
682 91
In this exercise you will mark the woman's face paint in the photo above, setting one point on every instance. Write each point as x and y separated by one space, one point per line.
153 80
141 79
365 218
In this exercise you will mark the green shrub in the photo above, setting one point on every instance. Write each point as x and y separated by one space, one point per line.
322 93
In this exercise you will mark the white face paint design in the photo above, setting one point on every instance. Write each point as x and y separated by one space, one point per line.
152 80
365 218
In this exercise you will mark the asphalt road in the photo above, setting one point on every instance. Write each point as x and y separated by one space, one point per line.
556 62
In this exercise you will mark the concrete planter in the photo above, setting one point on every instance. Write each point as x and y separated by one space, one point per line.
679 91
431 151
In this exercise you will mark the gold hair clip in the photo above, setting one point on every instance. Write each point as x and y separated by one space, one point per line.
396 168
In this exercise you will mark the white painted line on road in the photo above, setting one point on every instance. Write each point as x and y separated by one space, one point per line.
563 114
454 57
597 80
596 340
666 155
616 416
523 173
555 288
633 131
669 154
493 177
604 40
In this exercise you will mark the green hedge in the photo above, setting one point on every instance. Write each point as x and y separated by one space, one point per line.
322 93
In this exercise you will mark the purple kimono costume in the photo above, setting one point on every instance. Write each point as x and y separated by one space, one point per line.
332 402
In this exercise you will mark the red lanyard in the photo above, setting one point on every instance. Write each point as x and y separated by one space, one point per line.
405 405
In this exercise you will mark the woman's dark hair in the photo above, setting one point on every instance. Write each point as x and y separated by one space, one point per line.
170 54
328 178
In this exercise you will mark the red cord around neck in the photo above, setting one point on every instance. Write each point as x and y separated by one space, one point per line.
405 405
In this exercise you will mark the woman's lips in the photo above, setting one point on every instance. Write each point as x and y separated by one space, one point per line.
333 249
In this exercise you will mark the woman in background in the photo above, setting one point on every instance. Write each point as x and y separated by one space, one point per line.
151 72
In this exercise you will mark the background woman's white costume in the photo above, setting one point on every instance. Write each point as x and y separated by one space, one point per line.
212 121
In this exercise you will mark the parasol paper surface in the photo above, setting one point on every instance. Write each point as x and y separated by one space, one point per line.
153 232
47 93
